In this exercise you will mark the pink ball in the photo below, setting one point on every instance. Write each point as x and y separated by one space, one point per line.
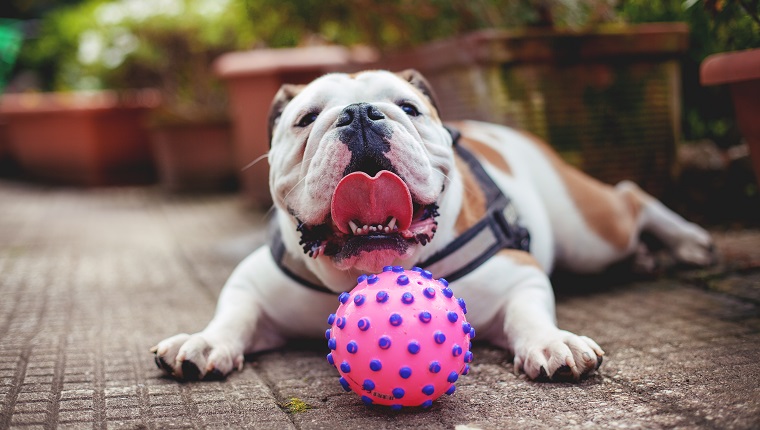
400 338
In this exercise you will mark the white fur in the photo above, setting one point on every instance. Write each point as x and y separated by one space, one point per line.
510 304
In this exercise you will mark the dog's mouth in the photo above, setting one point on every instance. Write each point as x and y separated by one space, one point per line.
370 214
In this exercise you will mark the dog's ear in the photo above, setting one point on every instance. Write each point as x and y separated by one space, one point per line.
418 81
286 93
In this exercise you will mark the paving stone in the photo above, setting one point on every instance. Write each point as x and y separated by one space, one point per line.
91 279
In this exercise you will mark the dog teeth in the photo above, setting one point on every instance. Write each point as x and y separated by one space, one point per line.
379 228
392 223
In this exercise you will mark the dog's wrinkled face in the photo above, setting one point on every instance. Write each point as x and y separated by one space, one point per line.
360 162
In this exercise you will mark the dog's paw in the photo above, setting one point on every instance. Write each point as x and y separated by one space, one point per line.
559 356
194 357
694 246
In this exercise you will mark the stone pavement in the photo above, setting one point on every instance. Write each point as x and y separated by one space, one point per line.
91 279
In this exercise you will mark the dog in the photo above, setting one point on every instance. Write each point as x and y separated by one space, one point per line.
364 175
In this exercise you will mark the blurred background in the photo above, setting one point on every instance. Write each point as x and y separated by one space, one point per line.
614 85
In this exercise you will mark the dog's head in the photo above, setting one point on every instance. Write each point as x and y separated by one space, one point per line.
359 163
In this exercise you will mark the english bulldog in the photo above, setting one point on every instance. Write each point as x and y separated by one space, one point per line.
364 175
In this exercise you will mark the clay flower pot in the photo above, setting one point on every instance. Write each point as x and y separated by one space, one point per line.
84 138
252 79
740 70
194 156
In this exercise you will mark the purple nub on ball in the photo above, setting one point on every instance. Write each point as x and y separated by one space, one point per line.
367 400
331 319
439 337
466 369
413 347
466 328
345 367
468 357
443 282
397 407
387 268
344 384
331 344
429 292
428 390
435 367
452 316
456 350
343 297
359 299
330 359
328 333
363 324
453 376
384 342
472 333
371 279
398 269
361 279
462 305
416 269
375 365
451 390
447 292
381 297
402 280
395 320
368 385
425 316
341 322
398 393
427 274
426 404
405 372
407 298
352 347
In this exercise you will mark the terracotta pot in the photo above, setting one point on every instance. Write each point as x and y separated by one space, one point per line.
252 79
88 139
740 70
608 100
194 157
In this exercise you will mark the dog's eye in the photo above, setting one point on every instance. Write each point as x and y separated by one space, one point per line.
409 109
307 119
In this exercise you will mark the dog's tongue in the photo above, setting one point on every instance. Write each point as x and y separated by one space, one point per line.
371 201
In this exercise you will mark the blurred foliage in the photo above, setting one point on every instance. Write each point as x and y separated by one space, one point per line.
171 43
168 44
715 26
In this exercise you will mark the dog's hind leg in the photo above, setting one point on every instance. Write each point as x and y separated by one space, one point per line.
688 242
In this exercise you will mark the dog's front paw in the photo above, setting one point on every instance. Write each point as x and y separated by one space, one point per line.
558 356
194 357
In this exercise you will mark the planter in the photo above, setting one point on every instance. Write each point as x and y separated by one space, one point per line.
607 100
741 72
252 79
194 157
87 139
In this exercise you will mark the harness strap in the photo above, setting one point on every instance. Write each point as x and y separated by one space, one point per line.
498 229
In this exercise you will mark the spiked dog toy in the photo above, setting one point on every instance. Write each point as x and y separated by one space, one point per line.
400 338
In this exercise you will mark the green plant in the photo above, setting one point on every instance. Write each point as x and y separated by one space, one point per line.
169 44
715 26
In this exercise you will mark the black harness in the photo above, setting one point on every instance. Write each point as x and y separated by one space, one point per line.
498 229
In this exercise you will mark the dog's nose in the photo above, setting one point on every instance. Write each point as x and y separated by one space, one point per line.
359 112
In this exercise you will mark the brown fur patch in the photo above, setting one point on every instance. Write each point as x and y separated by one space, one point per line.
520 257
610 212
473 198
484 150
